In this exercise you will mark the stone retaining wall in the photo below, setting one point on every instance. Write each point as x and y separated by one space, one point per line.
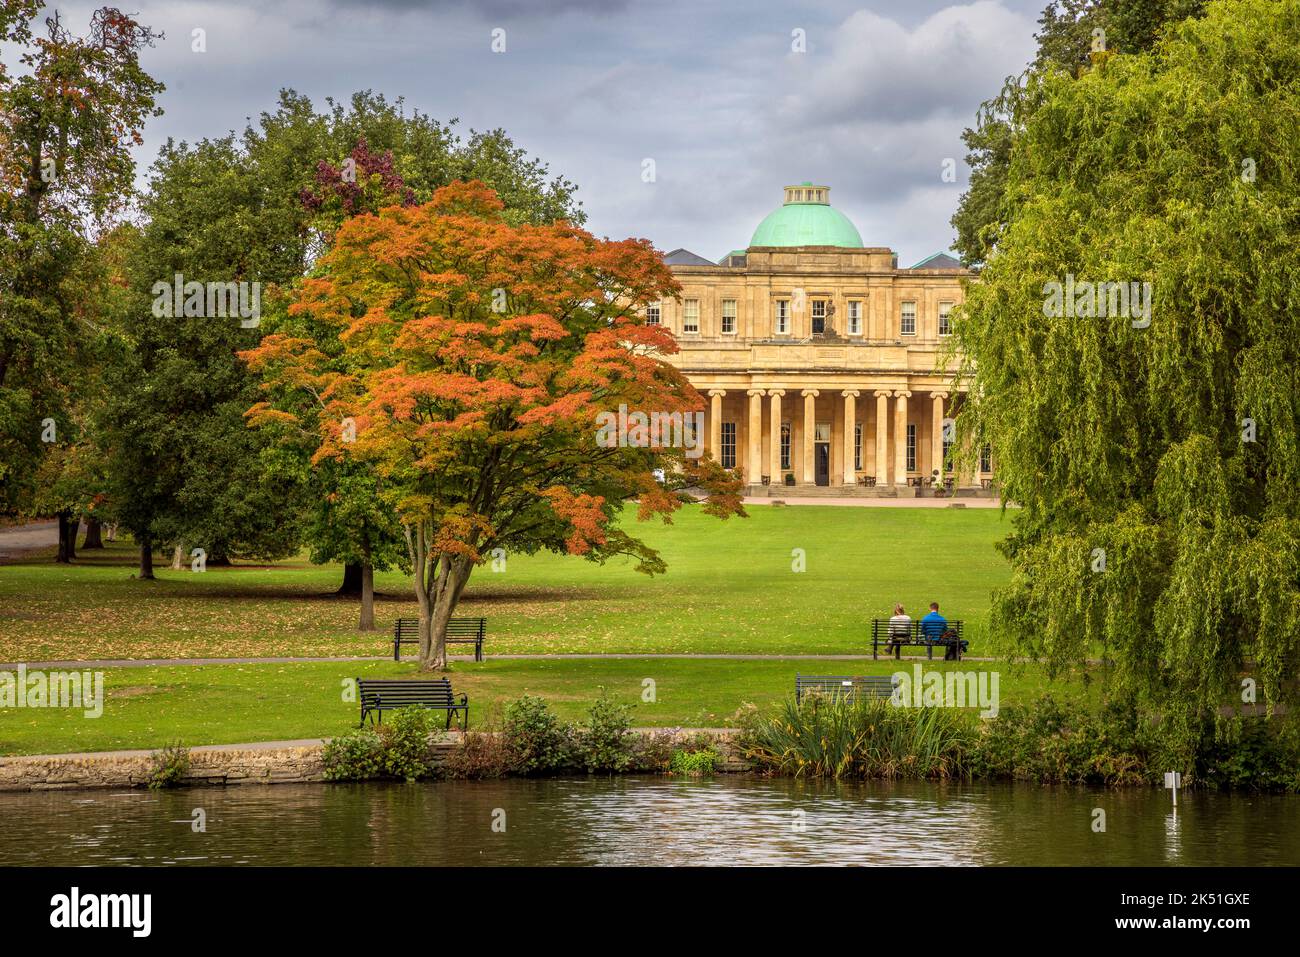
220 766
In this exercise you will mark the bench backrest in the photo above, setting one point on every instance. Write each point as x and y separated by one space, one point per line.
884 629
408 629
871 686
390 693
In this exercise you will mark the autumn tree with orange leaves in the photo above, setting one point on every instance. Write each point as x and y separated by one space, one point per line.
479 356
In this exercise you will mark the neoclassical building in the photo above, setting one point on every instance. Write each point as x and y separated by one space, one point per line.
819 356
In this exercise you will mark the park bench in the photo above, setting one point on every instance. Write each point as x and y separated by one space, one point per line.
460 631
391 694
883 636
846 686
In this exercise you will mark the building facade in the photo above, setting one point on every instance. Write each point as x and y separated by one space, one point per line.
820 358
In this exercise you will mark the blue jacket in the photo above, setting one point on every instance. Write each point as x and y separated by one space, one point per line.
933 626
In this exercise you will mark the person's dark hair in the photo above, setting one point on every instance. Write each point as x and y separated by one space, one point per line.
934 606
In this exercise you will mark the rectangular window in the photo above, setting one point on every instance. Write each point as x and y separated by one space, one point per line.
728 459
857 445
945 324
908 323
911 447
785 445
818 316
855 318
782 317
652 314
728 317
986 459
947 453
691 315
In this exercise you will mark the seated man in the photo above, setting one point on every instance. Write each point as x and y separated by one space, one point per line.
934 624
934 628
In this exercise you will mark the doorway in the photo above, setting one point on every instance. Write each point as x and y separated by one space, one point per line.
822 458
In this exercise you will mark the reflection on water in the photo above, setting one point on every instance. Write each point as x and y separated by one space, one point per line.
648 820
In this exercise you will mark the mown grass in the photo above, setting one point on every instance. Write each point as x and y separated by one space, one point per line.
730 588
148 707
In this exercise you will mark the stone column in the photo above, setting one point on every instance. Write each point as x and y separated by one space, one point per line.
809 433
753 467
715 422
900 437
774 468
936 432
882 438
850 420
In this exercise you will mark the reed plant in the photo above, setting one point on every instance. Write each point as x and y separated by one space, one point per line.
843 737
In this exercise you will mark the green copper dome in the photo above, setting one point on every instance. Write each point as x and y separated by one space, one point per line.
806 219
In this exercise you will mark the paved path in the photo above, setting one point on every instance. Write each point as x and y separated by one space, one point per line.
18 540
874 502
183 662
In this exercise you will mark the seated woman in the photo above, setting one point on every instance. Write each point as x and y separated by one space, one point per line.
900 628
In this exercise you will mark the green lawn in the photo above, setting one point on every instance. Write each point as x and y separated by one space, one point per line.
730 588
222 704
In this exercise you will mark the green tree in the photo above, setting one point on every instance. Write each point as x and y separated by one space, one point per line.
192 471
1072 34
1157 465
68 120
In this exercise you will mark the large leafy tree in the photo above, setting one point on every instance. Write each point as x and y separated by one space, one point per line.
178 392
1157 466
1071 34
344 163
478 355
70 113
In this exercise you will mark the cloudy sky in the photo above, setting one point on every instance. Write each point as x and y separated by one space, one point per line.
712 91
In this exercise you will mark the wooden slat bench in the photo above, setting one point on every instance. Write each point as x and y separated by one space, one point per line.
391 694
460 631
888 635
847 686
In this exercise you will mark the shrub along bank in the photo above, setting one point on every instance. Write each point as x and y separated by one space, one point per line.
531 741
1047 742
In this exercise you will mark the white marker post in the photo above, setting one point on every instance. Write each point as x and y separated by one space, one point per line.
1173 781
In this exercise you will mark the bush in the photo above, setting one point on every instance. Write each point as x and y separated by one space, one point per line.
406 748
398 749
701 763
480 755
605 743
357 755
652 752
170 765
536 741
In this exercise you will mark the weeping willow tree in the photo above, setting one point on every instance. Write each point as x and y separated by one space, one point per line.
1156 456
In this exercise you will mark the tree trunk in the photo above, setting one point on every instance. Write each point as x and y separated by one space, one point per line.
351 579
178 557
146 560
67 538
367 622
93 537
436 610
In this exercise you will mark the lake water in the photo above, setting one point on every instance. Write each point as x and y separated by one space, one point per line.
730 819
